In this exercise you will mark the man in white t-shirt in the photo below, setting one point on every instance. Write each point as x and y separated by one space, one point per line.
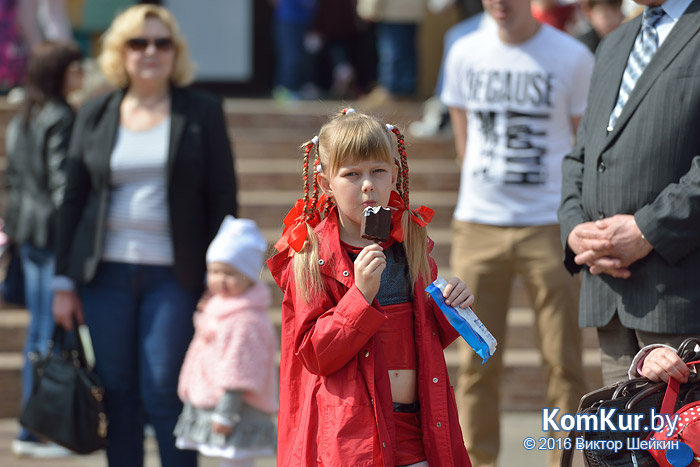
516 94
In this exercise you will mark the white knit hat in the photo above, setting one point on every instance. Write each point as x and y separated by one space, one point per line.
240 244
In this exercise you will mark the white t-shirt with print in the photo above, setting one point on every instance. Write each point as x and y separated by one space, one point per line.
519 101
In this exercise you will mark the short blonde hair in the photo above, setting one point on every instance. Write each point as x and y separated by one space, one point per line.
128 25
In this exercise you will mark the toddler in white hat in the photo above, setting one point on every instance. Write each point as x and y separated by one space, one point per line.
228 381
235 256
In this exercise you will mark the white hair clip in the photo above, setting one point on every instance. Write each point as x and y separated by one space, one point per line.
314 140
389 127
319 169
349 111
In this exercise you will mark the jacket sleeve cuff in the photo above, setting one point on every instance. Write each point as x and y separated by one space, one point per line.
638 360
359 314
62 284
569 262
227 411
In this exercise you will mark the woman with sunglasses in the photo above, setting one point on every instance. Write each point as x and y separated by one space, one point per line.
150 179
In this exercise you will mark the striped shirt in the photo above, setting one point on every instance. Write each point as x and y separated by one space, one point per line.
138 227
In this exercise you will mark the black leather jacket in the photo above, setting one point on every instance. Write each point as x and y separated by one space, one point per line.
36 176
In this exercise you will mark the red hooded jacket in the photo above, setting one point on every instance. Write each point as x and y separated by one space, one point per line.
335 397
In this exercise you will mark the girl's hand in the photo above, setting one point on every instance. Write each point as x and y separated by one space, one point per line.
369 265
221 429
457 294
663 363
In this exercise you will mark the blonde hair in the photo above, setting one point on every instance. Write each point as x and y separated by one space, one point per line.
364 138
128 25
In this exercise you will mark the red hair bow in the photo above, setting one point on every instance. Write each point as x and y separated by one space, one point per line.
294 233
421 216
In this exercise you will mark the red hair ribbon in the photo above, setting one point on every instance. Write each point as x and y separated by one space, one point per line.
421 216
294 233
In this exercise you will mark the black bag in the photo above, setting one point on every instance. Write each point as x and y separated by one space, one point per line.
65 405
13 284
635 396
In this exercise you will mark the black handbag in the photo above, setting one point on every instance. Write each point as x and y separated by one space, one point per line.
607 448
65 405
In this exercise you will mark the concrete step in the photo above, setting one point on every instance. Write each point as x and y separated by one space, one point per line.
13 325
10 383
258 113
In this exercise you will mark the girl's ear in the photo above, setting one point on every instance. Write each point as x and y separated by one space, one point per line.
325 184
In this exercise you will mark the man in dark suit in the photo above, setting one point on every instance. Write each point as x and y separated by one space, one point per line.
630 210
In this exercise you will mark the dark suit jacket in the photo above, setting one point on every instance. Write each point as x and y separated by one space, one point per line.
35 176
648 166
200 178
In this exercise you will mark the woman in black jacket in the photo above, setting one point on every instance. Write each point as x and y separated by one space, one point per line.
150 179
37 146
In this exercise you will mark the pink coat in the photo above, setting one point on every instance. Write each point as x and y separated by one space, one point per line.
233 349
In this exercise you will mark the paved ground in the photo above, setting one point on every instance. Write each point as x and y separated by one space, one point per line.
516 427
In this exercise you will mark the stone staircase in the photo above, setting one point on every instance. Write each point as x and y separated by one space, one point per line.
265 138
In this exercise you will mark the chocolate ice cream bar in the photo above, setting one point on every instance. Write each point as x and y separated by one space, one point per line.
376 223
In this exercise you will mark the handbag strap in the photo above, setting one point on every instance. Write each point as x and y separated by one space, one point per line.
58 337
567 454
76 351
669 402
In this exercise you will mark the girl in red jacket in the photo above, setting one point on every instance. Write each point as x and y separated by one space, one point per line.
363 379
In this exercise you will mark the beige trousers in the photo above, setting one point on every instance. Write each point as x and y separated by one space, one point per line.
487 259
619 345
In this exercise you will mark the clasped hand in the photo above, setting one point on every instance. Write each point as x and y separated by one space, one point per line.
609 246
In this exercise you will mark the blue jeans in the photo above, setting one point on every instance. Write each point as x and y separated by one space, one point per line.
396 47
140 320
38 266
293 62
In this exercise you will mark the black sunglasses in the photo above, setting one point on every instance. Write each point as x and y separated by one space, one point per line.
139 44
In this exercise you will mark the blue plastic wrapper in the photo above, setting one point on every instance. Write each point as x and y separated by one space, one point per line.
465 322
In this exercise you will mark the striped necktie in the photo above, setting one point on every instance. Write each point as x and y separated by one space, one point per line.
644 48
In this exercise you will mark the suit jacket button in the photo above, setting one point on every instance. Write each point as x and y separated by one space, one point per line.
601 167
601 215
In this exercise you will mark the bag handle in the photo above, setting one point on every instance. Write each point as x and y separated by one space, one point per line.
671 396
644 393
624 385
76 352
687 348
